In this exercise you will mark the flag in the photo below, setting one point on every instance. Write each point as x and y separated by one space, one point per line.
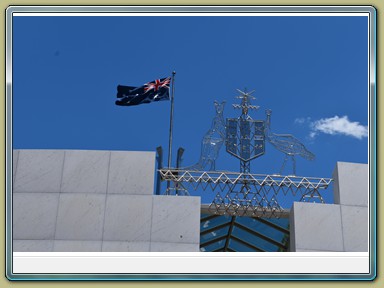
157 90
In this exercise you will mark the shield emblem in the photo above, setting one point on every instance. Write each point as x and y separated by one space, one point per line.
245 138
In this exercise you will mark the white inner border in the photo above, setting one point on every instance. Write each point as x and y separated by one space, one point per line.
188 263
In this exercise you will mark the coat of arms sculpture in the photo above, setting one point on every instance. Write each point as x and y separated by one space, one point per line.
242 193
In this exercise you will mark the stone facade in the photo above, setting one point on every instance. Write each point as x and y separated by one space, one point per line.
342 226
95 201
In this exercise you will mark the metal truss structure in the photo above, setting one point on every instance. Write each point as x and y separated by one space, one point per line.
245 194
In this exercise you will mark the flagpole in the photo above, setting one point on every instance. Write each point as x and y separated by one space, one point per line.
167 192
171 122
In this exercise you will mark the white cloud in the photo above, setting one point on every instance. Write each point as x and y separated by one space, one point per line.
312 134
338 125
301 121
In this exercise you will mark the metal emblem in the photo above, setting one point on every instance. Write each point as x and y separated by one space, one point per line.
245 138
243 193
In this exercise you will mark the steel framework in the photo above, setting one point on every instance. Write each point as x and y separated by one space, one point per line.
260 197
234 234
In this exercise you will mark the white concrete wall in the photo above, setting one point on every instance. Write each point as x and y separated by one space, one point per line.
94 201
342 226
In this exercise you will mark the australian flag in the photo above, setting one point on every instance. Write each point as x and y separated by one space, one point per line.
157 90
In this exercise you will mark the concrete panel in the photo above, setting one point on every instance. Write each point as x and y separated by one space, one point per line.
132 173
174 247
355 228
125 246
85 171
351 184
317 227
34 215
15 158
32 245
128 218
80 217
39 171
76 246
176 219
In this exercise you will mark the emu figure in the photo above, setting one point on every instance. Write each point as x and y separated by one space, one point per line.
287 144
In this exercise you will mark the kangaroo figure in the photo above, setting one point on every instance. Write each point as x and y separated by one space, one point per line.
212 141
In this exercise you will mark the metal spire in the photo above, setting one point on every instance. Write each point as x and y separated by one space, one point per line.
245 104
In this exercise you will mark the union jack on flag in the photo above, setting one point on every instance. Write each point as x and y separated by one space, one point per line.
157 90
157 84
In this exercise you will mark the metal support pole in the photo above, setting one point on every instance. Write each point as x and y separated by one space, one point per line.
159 166
180 152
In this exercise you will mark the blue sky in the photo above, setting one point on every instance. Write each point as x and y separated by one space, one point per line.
312 72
